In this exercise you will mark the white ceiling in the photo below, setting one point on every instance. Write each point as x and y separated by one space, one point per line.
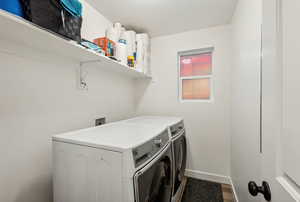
163 17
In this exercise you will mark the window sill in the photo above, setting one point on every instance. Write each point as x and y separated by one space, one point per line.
196 101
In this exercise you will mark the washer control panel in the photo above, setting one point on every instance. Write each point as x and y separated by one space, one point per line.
149 149
177 128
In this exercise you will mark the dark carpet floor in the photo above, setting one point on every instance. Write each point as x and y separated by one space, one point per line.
202 191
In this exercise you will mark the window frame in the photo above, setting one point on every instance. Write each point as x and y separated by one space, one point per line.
210 77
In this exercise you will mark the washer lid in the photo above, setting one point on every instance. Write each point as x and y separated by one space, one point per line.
114 136
175 124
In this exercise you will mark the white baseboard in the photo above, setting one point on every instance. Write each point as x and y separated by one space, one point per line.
213 178
208 176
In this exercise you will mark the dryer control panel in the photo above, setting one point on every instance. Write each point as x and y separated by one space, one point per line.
177 128
143 153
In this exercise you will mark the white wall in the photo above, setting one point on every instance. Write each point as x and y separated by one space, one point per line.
39 98
245 134
94 23
207 124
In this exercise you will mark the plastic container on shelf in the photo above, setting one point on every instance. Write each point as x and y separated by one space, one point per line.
107 45
114 32
143 53
130 37
12 6
131 61
92 46
121 51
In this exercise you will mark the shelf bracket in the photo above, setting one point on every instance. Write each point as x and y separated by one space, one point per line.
83 85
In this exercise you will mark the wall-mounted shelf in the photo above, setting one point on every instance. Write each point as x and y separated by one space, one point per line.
16 30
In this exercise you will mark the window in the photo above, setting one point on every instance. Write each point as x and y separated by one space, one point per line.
195 75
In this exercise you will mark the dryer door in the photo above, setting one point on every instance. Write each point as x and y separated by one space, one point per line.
153 183
180 150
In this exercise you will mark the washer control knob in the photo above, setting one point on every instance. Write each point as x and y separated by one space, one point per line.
158 142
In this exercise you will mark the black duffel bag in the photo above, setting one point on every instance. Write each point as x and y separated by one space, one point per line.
71 26
50 15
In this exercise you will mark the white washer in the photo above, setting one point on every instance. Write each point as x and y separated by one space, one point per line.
118 162
179 146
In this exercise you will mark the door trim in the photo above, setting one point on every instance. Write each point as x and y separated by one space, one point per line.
236 199
286 183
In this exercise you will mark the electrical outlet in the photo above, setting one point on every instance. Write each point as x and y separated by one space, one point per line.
100 121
